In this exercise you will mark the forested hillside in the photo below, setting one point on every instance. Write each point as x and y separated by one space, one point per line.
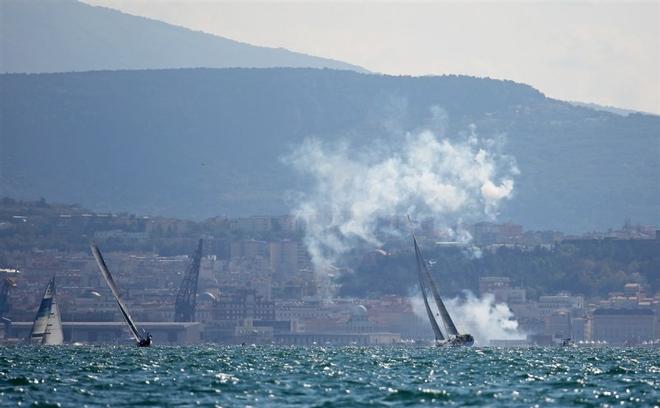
196 143
589 267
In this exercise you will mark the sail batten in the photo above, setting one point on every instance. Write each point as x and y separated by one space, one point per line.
115 292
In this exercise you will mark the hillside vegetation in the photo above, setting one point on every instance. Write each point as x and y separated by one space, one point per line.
196 143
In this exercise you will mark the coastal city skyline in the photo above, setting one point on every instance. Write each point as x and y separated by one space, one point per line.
256 271
223 203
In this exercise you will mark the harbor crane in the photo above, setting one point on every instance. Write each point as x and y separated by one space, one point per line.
186 297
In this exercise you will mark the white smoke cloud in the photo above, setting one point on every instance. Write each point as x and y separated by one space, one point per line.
420 174
482 317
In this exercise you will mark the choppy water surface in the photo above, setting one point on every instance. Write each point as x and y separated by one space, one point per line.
327 377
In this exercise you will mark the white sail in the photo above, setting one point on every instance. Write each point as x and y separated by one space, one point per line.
115 292
47 327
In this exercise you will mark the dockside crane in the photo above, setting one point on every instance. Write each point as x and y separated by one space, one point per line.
5 306
186 297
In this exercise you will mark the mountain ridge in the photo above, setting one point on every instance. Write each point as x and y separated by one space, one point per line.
70 36
195 143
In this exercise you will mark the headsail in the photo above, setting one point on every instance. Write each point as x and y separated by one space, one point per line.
115 292
47 327
446 319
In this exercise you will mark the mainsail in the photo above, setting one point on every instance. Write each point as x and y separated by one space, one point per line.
47 327
446 319
115 292
434 324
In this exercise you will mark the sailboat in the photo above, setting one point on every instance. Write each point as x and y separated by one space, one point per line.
140 339
47 327
567 341
451 337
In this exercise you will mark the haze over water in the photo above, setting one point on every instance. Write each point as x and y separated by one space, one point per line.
327 376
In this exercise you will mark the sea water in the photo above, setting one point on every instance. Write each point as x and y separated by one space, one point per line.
272 376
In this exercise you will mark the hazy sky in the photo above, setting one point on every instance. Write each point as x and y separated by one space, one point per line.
601 52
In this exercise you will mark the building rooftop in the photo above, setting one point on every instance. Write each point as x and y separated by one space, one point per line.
627 312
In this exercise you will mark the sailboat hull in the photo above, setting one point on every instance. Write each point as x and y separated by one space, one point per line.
462 340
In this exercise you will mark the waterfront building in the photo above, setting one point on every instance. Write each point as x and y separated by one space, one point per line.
117 332
549 304
623 326
243 304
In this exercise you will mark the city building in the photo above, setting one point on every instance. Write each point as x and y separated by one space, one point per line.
500 288
558 325
623 326
117 332
549 304
243 304
487 233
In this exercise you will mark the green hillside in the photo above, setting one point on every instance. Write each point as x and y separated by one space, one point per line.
195 143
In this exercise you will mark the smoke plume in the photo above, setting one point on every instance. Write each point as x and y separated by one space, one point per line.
420 174
482 317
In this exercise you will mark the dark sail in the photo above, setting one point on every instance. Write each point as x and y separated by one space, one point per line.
446 319
115 292
434 324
